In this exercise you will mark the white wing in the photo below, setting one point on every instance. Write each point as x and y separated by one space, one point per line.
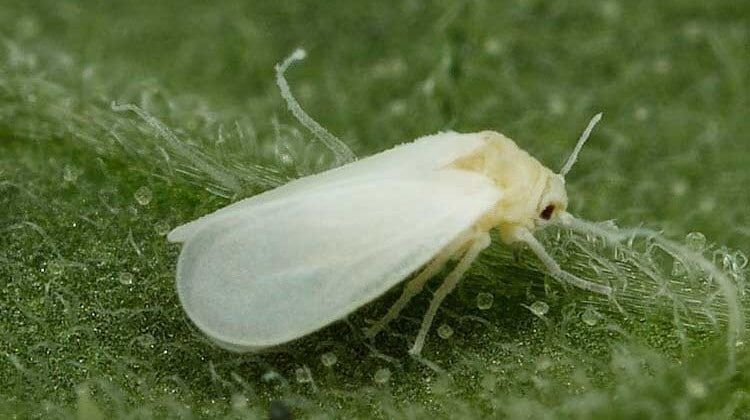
422 155
278 270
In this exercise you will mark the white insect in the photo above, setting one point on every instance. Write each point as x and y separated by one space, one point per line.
280 265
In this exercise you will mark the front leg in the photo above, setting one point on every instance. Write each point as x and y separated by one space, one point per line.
523 235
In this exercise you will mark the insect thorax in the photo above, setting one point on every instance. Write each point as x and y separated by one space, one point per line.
522 179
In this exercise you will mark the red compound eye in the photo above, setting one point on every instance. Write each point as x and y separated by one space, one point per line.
547 212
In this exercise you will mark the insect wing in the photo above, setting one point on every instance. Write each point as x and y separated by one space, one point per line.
425 154
287 267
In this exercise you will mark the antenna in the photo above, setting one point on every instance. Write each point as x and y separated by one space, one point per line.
581 141
340 150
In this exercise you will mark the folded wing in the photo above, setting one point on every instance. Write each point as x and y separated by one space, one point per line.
425 154
272 272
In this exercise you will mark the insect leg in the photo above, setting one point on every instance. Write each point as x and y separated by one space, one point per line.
523 235
479 243
415 285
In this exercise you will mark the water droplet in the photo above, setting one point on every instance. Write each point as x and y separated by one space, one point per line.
428 86
397 108
539 308
484 301
641 113
696 388
162 228
590 317
382 375
303 375
493 46
556 105
678 269
445 331
329 359
696 241
71 173
679 187
143 196
125 278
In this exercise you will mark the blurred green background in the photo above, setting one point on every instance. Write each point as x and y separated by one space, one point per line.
90 326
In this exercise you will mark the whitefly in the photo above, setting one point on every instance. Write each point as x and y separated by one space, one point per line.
280 265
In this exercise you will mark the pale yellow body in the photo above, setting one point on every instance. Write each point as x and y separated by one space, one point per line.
528 186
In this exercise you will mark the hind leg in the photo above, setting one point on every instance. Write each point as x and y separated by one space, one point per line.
478 243
524 236
415 285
